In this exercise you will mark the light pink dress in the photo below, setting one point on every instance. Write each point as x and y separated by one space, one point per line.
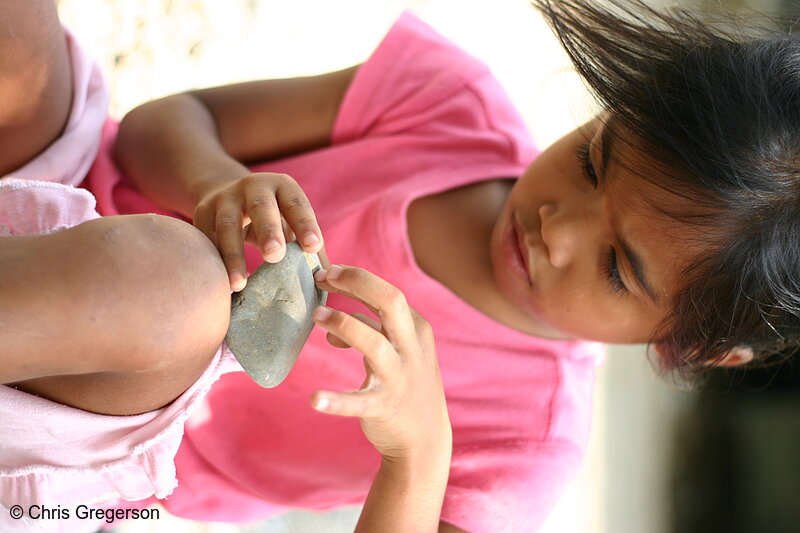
50 454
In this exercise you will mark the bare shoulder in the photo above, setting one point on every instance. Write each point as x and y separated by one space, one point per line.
37 87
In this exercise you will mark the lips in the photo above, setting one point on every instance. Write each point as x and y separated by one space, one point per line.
523 250
516 253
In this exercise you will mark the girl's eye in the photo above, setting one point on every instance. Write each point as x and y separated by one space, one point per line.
612 272
586 165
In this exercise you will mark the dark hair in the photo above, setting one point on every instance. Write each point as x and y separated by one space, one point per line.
719 108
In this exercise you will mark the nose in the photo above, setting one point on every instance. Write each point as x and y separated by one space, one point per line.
566 230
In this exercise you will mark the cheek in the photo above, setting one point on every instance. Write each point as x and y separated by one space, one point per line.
593 315
567 308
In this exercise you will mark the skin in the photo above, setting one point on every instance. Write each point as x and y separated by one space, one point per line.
132 309
204 137
401 404
68 284
36 78
566 226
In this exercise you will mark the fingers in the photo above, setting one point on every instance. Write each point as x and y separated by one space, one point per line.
378 351
250 235
223 225
339 343
296 208
264 209
401 403
398 320
362 333
288 233
269 199
265 220
361 403
323 258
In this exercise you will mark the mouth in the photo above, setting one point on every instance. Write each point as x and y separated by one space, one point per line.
521 248
516 252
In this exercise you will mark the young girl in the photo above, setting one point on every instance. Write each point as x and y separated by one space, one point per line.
668 219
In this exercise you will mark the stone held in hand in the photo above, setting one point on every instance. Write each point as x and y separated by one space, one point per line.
271 317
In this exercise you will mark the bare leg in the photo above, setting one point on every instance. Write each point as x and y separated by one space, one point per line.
117 316
37 80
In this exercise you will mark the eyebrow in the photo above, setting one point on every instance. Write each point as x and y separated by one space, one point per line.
635 260
606 142
638 269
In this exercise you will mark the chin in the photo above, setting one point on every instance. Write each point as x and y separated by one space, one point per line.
524 314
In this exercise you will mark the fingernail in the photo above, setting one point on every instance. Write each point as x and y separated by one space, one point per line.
310 239
320 274
272 248
335 271
237 280
321 313
322 403
272 245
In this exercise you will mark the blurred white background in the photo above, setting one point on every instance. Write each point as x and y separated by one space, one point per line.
150 48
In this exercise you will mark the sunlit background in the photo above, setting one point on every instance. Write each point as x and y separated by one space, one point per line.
634 478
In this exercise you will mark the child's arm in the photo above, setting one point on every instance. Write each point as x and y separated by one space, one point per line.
401 403
187 152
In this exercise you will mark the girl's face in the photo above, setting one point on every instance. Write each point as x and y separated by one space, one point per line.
580 251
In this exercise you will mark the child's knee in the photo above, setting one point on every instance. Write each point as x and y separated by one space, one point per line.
189 281
136 307
161 292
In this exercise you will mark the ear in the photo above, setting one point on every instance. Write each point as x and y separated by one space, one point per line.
739 355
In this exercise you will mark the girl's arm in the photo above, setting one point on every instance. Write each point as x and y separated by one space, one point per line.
401 404
187 152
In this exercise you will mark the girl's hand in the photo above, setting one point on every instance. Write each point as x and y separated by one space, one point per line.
263 209
401 403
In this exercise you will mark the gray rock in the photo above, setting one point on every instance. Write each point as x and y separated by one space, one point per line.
271 316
